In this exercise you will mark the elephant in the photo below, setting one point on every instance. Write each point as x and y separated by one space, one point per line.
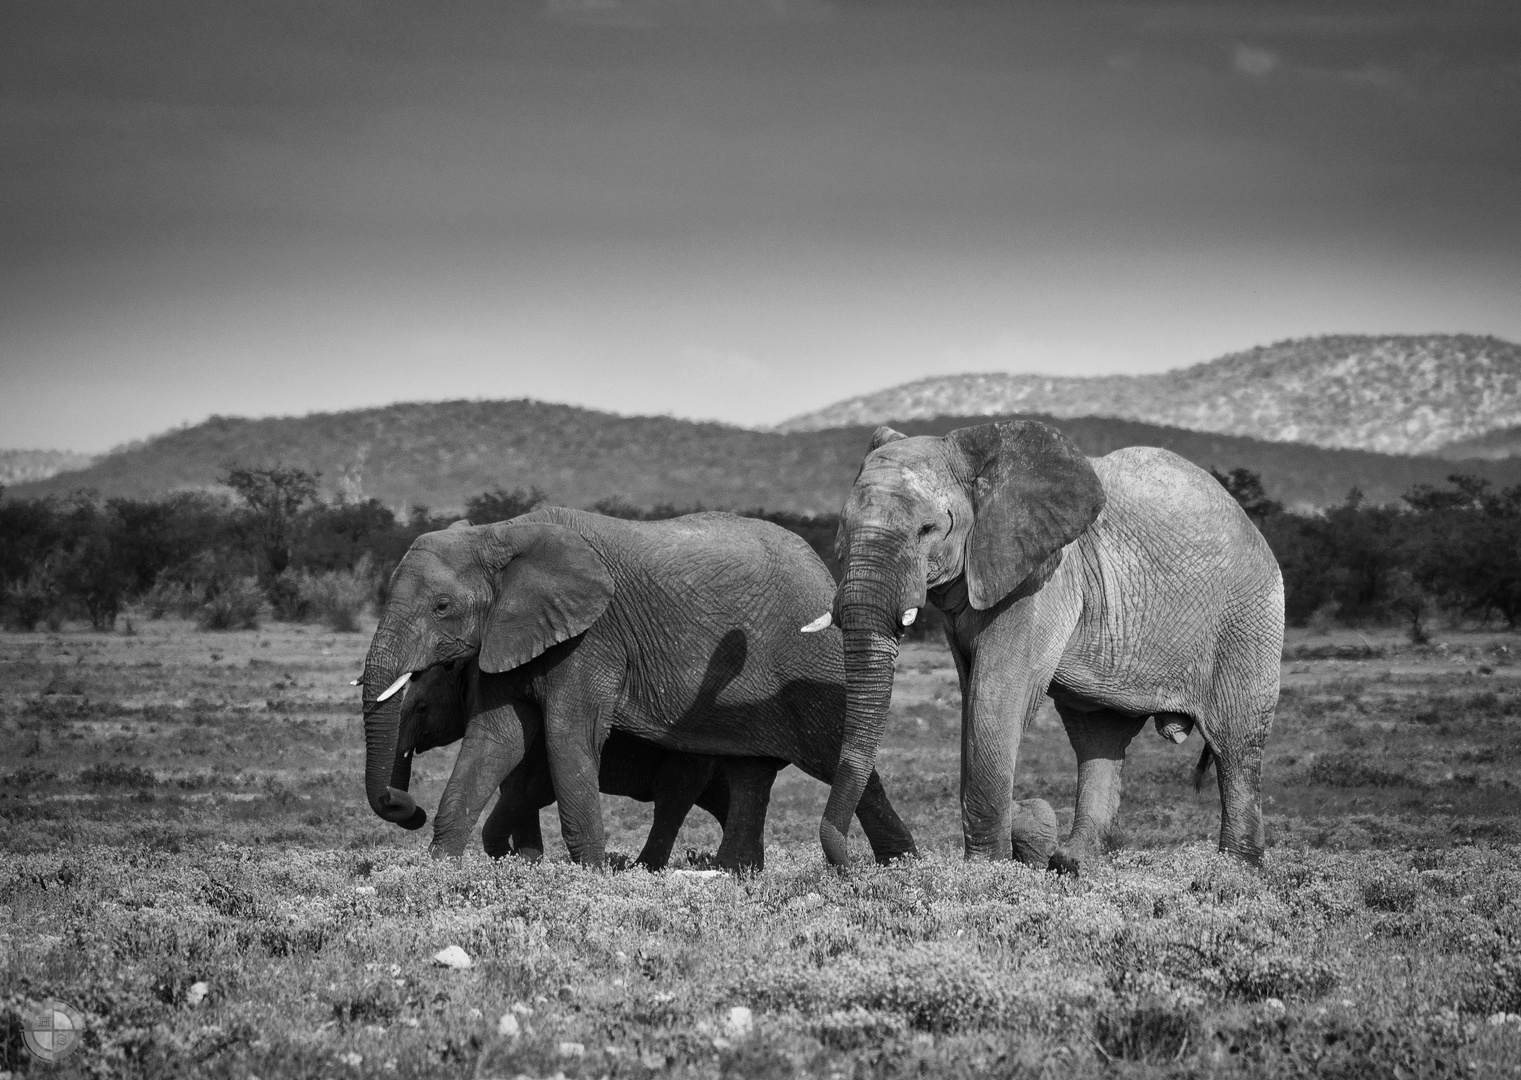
1124 587
437 708
680 632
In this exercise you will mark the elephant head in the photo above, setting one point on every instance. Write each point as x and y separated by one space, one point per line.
993 504
435 709
503 593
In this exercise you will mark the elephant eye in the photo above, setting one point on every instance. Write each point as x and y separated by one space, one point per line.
441 606
927 528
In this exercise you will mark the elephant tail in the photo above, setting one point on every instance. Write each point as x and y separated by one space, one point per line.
1206 759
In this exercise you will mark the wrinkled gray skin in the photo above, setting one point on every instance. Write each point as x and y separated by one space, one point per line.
682 633
440 701
1126 587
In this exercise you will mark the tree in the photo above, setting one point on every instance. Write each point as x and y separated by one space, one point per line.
1246 488
274 498
499 504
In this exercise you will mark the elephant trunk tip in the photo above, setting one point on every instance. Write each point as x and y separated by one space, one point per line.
833 841
400 808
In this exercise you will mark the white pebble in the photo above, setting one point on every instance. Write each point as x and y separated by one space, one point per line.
453 957
474 1014
196 994
1274 1005
572 1049
739 1022
508 1026
351 1059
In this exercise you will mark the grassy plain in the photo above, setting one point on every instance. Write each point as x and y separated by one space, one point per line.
182 808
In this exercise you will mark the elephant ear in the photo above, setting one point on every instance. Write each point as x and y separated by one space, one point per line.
884 435
1033 492
550 586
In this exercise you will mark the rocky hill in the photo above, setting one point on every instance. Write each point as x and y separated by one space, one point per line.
439 454
23 466
1391 394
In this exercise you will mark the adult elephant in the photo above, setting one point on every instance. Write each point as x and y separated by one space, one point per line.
680 632
1126 587
436 711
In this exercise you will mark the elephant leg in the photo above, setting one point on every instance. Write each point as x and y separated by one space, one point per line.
744 843
512 827
574 731
495 743
715 797
889 837
1099 738
993 719
1238 768
678 782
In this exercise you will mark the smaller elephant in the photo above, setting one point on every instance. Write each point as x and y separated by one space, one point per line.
436 712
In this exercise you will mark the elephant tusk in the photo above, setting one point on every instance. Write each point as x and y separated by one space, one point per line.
395 686
823 622
910 615
356 682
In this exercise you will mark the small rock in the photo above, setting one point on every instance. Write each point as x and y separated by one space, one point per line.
739 1023
364 890
196 994
395 970
508 1026
1274 1006
351 1059
474 1014
572 1049
453 957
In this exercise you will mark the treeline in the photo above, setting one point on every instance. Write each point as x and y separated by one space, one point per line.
275 547
272 548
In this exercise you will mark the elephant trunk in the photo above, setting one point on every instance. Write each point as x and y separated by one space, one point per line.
386 777
871 601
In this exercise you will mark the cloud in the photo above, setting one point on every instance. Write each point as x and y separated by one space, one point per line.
1253 61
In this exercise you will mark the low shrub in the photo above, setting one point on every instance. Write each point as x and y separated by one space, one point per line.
339 597
111 774
233 604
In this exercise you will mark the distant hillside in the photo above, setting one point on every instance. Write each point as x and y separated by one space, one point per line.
1392 394
1504 443
22 466
439 454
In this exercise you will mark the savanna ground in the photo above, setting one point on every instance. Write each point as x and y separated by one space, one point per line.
182 808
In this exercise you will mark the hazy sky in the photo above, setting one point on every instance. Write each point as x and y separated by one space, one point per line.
723 209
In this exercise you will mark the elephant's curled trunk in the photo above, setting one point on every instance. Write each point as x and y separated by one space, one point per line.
386 776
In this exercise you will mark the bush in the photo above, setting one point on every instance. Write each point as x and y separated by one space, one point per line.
232 604
34 597
340 597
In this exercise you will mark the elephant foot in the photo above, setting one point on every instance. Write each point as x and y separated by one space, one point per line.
1073 857
1034 833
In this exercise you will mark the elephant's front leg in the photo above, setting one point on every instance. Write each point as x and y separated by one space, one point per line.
1099 739
573 736
513 825
679 780
995 709
744 842
494 745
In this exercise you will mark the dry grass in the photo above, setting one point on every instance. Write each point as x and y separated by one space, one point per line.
183 808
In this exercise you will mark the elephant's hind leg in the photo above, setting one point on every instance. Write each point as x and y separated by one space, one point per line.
1099 739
